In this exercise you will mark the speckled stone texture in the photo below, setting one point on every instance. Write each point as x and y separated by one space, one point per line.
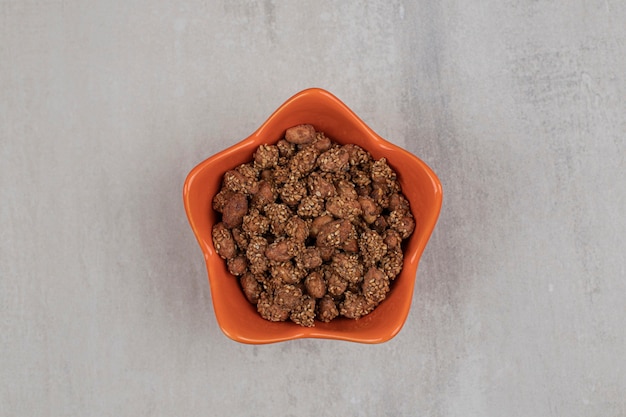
105 106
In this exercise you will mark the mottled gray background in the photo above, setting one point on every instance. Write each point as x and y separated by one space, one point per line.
519 106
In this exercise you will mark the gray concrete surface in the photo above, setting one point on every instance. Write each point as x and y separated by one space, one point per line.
519 106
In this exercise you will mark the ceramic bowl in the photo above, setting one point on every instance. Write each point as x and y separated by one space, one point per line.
237 318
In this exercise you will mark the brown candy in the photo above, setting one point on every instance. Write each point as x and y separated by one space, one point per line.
312 229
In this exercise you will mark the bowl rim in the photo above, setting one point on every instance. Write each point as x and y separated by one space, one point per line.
209 252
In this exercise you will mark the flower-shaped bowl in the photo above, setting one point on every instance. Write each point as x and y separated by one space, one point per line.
239 319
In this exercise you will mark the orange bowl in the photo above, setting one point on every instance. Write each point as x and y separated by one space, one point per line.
239 319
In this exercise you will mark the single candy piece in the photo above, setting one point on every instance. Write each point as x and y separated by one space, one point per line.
300 134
